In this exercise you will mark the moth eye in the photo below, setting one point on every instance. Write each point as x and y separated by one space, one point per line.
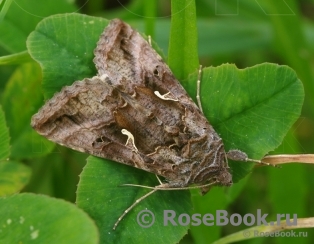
156 73
99 139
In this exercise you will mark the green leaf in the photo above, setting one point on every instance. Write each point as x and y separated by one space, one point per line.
13 177
14 31
21 90
5 138
101 194
29 218
252 109
183 52
57 173
65 51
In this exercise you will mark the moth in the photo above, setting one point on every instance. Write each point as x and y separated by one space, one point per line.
135 112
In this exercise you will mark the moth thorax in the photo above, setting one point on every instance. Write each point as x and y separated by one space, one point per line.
224 178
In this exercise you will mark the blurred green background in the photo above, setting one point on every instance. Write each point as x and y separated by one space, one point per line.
229 31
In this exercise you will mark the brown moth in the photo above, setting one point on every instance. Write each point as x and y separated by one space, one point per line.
136 112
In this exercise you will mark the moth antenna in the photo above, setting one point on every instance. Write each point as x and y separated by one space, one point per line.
198 90
132 206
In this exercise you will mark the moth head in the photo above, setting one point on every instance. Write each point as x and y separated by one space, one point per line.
224 178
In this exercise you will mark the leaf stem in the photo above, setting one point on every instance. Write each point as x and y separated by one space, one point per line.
150 12
16 58
183 50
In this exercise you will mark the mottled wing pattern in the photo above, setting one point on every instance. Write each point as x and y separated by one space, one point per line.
129 61
77 116
135 112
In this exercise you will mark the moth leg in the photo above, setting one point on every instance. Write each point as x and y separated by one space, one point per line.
198 90
130 139
238 155
149 39
132 206
165 187
159 180
175 186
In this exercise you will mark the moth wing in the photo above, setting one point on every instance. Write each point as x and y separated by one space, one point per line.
129 60
80 117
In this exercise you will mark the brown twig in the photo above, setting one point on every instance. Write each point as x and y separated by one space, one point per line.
289 158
